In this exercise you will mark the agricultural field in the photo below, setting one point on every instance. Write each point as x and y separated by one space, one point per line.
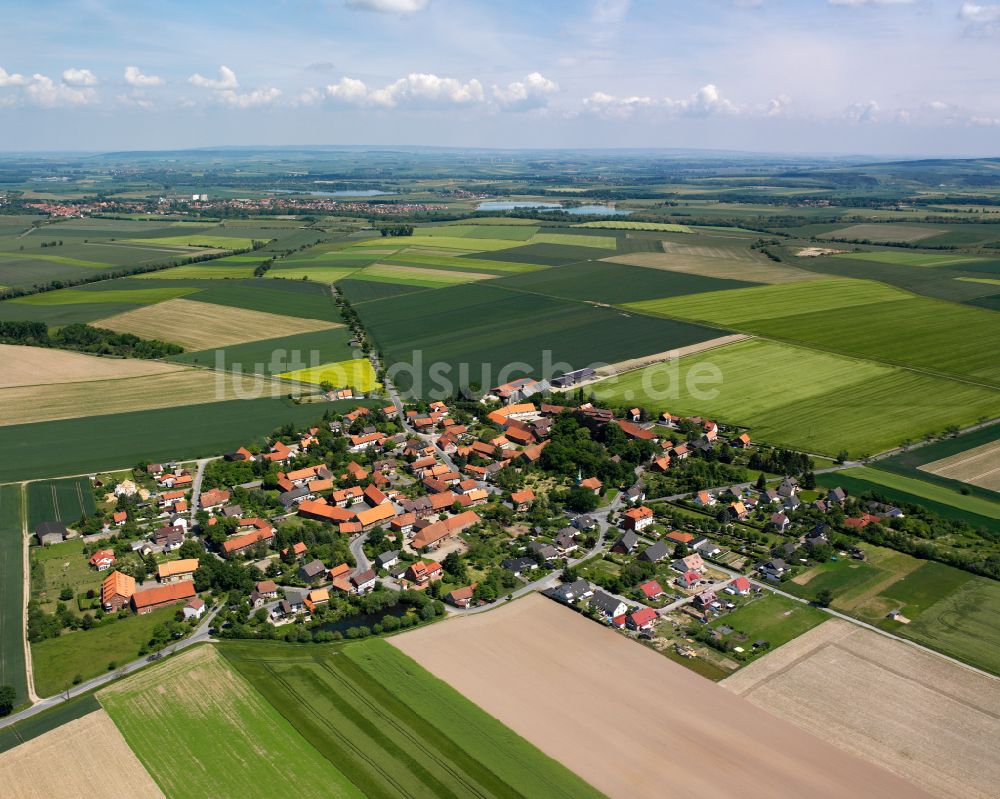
853 317
720 267
486 328
67 501
626 225
197 326
909 258
356 373
884 232
38 366
12 591
925 719
276 355
607 283
207 270
185 240
28 772
978 466
394 729
120 440
183 386
772 618
131 296
757 384
424 277
490 657
47 720
213 717
911 461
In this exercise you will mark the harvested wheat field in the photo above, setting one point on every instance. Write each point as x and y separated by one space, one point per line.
917 714
883 232
26 404
35 366
625 718
979 466
83 758
201 325
752 270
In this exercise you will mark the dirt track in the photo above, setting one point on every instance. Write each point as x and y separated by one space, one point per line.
918 715
628 720
86 757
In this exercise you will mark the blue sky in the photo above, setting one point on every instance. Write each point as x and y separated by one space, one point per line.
906 77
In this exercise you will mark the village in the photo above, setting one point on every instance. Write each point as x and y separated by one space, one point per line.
394 515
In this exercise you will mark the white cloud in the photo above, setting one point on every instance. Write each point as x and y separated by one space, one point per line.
778 106
389 6
134 77
225 82
134 101
973 12
416 89
862 112
79 77
608 105
522 95
11 79
257 97
706 101
45 92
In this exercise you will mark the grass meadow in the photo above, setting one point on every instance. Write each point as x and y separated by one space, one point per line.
772 618
56 662
393 728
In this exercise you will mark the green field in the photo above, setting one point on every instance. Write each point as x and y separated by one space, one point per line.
56 259
879 483
208 270
963 624
487 328
753 383
213 735
910 258
935 493
854 317
46 721
472 264
599 281
422 276
320 274
276 355
65 501
438 242
577 240
925 586
115 441
358 291
356 373
56 662
393 728
838 577
138 296
196 240
772 618
11 591
495 232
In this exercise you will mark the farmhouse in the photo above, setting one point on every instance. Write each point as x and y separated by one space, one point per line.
152 598
103 559
638 518
241 544
116 591
50 533
214 498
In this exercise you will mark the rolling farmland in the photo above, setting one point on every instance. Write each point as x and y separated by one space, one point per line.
392 728
276 355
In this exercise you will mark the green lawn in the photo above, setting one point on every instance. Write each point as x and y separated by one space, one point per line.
212 735
772 618
838 577
86 653
387 723
11 593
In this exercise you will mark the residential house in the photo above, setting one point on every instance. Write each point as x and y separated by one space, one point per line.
652 590
740 586
608 605
267 589
655 552
706 599
638 519
422 573
461 597
213 498
704 499
773 569
779 521
547 551
680 537
565 541
238 545
521 500
836 495
103 559
705 547
386 560
627 542
312 571
194 608
688 579
570 592
298 549
642 620
592 484
519 566
168 538
364 581
315 598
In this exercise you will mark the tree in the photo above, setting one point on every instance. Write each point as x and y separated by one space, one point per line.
454 567
842 456
824 598
761 481
8 696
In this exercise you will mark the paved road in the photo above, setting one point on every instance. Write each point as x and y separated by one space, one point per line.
196 486
200 635
357 547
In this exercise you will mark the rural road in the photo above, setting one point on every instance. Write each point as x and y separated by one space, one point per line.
200 635
196 486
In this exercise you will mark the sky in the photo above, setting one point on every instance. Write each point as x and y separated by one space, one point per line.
876 77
